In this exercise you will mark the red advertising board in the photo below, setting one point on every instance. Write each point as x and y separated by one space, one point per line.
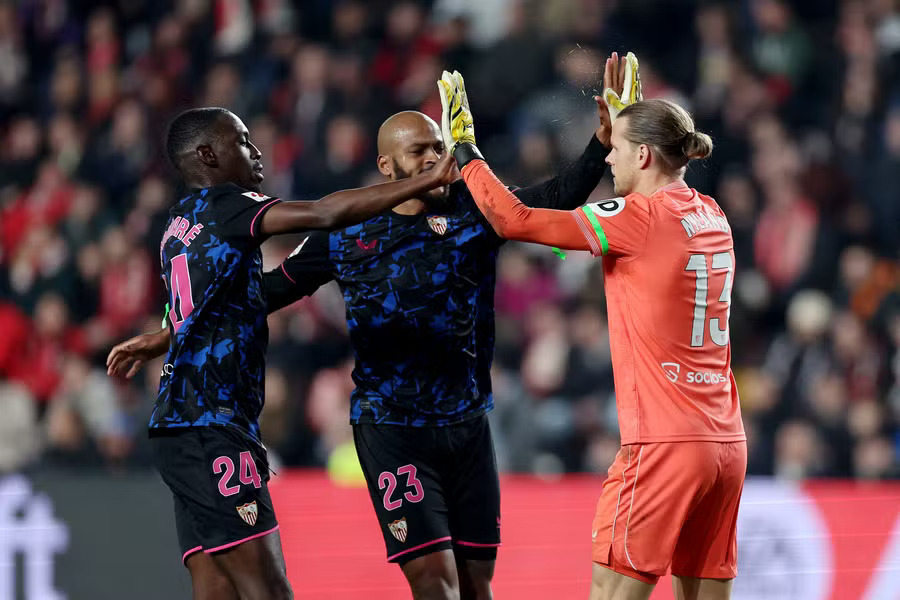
815 541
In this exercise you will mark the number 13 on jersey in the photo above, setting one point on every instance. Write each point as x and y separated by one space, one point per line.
701 264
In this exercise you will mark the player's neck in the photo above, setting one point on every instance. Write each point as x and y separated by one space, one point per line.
200 181
413 206
651 182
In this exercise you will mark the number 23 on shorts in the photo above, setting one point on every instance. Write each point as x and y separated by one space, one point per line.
388 480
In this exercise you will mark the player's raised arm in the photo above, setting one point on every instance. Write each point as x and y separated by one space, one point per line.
511 215
574 184
652 143
349 207
507 215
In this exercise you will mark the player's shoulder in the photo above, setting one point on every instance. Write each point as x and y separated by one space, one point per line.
610 207
710 202
232 190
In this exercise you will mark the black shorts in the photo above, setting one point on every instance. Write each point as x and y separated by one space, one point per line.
218 478
433 488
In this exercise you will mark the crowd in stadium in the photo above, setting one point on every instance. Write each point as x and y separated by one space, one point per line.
802 100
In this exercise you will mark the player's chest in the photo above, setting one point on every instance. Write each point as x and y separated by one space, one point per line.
415 250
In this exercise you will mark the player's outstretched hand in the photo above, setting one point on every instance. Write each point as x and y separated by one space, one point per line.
618 75
457 125
604 130
621 83
444 170
127 358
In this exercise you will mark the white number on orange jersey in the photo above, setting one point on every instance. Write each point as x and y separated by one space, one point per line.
697 263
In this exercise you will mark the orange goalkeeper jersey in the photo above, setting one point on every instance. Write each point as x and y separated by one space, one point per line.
668 262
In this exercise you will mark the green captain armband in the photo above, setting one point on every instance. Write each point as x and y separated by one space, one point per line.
598 229
163 326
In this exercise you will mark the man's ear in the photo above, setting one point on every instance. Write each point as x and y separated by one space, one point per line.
384 165
644 156
207 156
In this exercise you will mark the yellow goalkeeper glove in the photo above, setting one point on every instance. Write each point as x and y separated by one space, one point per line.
631 91
457 126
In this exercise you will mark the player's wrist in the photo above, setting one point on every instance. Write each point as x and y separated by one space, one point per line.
465 152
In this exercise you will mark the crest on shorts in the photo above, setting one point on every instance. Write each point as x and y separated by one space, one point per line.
248 512
438 224
398 529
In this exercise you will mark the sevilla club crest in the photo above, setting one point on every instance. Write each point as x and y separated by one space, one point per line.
438 224
249 512
398 529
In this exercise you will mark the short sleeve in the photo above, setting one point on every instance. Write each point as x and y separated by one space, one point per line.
239 214
617 227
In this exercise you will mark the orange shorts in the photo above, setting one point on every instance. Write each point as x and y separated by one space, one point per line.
671 504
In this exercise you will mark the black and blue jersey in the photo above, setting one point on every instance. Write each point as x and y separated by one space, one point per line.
212 268
419 295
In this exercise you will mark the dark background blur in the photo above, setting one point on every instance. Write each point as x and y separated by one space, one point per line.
802 100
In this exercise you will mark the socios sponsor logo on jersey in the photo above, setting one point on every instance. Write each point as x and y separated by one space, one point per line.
705 377
671 369
673 372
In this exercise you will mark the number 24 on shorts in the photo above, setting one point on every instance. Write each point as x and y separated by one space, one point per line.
246 475
388 480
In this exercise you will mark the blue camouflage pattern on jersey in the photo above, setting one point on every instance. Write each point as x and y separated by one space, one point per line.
419 293
213 373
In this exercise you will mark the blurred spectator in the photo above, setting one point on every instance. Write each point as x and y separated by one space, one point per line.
328 407
13 60
799 451
406 44
125 288
85 416
880 182
20 437
123 144
39 363
346 158
714 59
780 46
785 234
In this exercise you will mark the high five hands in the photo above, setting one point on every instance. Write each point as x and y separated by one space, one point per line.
621 88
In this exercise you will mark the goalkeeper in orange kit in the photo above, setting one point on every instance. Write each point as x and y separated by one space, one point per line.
672 494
